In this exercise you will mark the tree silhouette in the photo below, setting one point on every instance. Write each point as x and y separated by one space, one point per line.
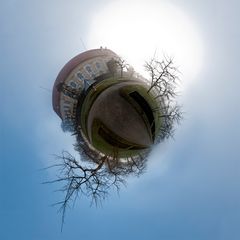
163 83
93 180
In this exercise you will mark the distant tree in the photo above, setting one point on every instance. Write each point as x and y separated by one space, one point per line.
68 125
118 66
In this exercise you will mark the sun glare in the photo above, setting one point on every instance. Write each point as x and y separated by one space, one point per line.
136 30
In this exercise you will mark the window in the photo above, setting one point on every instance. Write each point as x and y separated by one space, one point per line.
116 141
98 65
146 109
88 68
80 76
73 84
90 71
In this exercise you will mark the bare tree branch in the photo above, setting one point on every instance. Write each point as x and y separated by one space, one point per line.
94 180
163 77
163 82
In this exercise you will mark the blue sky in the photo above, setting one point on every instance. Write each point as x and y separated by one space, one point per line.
191 189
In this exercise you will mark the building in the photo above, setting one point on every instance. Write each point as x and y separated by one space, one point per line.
102 100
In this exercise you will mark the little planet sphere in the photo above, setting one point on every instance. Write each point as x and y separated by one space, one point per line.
116 116
107 105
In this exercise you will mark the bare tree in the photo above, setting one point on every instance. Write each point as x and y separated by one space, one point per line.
93 180
169 115
163 82
118 66
163 77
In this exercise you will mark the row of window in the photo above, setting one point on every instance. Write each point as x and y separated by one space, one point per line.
92 71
